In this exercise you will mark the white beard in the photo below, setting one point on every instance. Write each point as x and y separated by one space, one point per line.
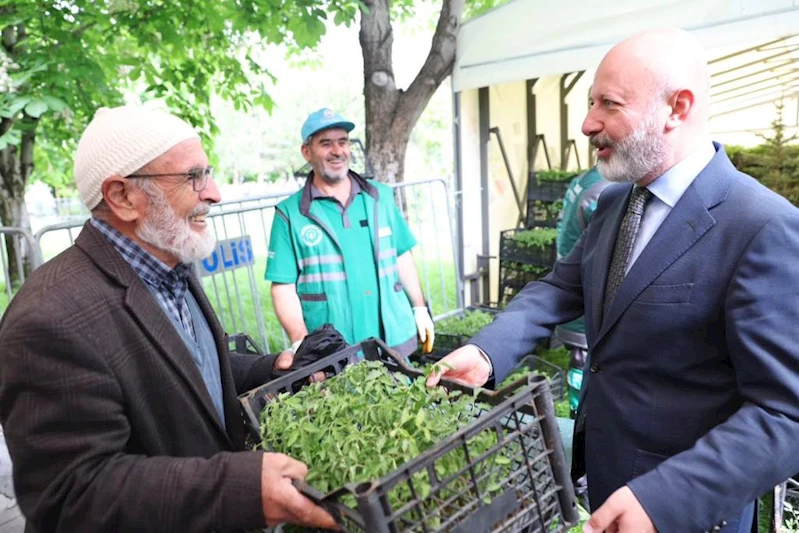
163 229
331 178
640 154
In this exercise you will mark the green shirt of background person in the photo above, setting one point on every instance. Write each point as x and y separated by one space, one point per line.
340 251
579 204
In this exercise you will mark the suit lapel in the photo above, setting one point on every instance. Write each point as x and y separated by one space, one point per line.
151 317
682 228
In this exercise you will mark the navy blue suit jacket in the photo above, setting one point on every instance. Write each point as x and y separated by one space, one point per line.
693 395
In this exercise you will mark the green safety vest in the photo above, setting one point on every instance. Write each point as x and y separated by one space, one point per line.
323 287
579 204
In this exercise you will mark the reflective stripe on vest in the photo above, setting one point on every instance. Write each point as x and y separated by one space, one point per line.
387 270
387 262
388 253
321 260
323 276
314 272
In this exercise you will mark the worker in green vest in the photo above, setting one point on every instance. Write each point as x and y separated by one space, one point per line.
340 251
579 204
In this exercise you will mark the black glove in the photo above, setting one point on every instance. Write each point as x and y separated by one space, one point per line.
324 341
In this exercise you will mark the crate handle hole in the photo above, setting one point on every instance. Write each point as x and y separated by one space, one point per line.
363 488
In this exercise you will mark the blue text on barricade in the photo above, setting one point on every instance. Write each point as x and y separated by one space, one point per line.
229 254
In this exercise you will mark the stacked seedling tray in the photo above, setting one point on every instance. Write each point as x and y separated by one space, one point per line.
499 468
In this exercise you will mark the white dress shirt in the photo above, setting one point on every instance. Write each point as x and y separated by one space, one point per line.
667 190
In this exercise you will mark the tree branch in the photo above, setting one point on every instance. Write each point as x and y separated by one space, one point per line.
26 154
437 66
6 124
9 38
4 168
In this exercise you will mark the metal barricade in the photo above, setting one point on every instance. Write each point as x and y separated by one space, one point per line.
55 238
20 244
427 204
233 276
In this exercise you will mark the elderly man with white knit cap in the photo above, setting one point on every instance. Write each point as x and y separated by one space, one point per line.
117 393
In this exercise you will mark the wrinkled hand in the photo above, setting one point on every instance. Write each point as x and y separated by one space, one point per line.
281 501
465 365
425 328
284 360
621 513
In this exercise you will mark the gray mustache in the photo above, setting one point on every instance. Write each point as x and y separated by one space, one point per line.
200 210
598 142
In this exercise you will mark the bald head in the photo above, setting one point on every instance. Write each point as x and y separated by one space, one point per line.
652 92
664 61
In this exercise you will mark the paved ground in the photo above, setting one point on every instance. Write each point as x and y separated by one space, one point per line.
11 521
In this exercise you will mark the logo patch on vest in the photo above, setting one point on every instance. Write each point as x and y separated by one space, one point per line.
311 235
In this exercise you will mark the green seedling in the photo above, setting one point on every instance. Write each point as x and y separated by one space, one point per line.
367 422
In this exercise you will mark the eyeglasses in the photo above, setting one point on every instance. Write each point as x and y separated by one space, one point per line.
199 177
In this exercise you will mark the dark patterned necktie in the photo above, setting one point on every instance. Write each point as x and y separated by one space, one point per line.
624 243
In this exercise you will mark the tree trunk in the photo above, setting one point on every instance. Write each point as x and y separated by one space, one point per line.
16 165
392 113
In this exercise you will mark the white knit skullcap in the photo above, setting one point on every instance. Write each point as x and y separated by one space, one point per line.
121 140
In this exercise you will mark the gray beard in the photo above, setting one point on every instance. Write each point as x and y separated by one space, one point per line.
642 153
166 231
332 180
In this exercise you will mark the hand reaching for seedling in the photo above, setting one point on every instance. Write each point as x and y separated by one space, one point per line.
465 365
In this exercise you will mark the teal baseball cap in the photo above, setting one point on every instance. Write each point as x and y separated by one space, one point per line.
324 119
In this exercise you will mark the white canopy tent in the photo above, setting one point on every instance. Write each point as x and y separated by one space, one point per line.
532 38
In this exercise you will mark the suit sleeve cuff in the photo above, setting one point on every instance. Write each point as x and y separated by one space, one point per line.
486 358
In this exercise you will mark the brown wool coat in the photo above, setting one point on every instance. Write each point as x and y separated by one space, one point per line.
108 421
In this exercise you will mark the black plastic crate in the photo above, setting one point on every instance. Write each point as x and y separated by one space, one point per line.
444 343
511 249
792 491
531 490
243 344
514 276
443 346
553 373
542 214
449 342
546 191
253 402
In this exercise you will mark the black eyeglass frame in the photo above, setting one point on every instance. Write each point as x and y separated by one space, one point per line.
199 177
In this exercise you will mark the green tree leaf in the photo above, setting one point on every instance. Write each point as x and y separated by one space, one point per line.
54 103
17 104
36 108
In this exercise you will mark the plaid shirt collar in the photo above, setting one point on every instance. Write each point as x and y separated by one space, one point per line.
150 270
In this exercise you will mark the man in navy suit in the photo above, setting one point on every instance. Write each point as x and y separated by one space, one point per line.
691 407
